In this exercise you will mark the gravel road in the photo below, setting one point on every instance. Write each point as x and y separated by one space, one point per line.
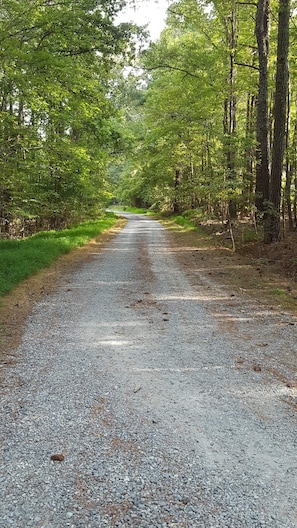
172 401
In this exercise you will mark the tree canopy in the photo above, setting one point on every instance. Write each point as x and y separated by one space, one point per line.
215 101
56 131
205 118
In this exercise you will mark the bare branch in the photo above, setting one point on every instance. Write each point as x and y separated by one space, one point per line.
168 67
247 65
178 13
72 53
247 3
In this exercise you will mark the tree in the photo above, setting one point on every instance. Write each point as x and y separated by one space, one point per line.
214 105
56 61
272 226
195 99
263 133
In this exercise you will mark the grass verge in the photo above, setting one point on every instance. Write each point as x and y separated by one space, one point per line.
182 225
22 258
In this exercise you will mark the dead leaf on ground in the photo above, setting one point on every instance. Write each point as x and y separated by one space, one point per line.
58 458
257 368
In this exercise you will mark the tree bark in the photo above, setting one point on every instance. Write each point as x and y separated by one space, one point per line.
230 105
288 164
273 228
248 177
294 172
177 183
263 149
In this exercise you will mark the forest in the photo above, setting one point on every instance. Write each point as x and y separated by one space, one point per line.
204 119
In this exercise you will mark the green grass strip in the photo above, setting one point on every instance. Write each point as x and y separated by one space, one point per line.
21 258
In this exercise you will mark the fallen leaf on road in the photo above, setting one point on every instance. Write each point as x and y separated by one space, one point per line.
58 458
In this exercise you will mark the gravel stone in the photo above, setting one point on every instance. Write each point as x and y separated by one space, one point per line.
205 442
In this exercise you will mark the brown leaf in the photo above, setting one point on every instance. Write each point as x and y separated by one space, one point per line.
58 458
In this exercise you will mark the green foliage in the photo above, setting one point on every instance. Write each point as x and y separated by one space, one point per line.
180 135
22 258
181 117
56 117
184 222
190 121
249 234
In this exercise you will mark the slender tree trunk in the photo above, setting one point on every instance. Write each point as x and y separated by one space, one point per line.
289 173
295 201
248 180
210 171
294 172
263 149
273 228
230 105
21 111
177 183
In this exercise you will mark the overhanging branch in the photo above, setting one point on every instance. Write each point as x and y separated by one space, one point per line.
247 65
175 68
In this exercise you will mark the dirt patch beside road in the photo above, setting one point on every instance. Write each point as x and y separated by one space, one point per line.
257 270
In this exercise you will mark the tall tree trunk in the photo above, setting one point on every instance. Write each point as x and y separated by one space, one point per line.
295 201
230 105
294 172
263 149
248 180
272 228
289 173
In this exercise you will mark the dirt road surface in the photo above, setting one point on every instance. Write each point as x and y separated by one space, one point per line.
146 395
